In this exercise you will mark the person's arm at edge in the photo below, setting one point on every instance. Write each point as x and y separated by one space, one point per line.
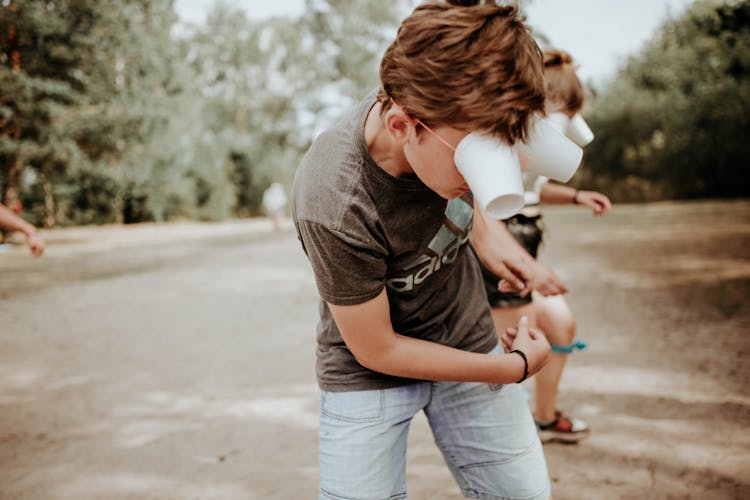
367 330
12 222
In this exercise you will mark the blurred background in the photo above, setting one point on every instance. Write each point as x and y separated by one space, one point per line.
115 111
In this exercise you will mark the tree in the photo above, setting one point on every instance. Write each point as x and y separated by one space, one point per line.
673 123
99 111
272 84
40 79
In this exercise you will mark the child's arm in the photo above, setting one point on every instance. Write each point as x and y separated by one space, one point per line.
367 330
559 194
499 251
12 222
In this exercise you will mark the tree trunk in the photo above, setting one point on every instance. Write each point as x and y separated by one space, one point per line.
13 46
50 219
119 206
11 195
240 118
119 202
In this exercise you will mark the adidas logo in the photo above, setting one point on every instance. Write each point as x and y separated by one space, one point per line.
442 250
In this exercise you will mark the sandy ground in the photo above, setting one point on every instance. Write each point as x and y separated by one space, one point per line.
176 361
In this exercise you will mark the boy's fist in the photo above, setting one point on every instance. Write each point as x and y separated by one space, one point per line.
530 341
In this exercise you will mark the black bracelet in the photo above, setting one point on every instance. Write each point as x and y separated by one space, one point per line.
525 365
575 197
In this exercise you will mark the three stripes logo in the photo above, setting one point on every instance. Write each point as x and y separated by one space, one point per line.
442 250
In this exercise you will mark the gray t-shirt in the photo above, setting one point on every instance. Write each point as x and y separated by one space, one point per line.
363 229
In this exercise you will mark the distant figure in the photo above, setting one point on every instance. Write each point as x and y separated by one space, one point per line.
274 202
12 222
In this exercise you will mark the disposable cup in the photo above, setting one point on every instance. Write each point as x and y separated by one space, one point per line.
559 120
549 152
579 132
493 173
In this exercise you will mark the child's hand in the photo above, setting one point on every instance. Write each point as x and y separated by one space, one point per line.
36 244
597 202
532 343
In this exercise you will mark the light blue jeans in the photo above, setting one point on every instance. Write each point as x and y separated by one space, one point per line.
486 434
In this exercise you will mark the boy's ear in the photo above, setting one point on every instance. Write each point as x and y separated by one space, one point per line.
398 124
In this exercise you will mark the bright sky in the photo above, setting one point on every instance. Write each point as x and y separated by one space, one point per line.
194 11
599 34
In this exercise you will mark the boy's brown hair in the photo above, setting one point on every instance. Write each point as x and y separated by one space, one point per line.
562 85
470 67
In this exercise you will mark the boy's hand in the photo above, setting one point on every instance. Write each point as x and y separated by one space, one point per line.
542 279
597 202
546 281
509 336
501 254
516 275
531 342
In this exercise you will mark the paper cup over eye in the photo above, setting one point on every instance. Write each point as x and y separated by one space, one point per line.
493 173
550 153
559 120
579 132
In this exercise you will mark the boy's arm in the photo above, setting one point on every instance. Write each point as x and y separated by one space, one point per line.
367 330
499 251
559 194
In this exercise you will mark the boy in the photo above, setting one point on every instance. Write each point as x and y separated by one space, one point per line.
384 217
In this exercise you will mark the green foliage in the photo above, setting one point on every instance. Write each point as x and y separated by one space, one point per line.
674 122
271 84
241 69
350 37
94 86
107 114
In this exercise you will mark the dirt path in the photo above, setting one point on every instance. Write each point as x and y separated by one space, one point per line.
176 362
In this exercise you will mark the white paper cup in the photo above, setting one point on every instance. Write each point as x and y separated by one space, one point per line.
549 153
578 131
493 173
559 120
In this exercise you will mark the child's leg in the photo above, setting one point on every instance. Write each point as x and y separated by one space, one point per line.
362 441
555 319
277 218
488 438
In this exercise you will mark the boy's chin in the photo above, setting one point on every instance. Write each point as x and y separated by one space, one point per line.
450 193
456 193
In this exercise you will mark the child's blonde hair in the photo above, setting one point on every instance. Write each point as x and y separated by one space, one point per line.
562 86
